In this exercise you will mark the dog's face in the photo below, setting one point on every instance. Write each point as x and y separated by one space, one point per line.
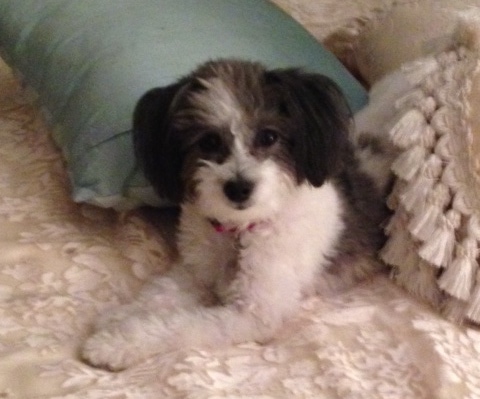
236 140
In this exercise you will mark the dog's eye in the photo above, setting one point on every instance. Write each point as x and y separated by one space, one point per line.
266 138
209 143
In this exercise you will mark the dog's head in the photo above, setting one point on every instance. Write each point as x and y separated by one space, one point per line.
236 139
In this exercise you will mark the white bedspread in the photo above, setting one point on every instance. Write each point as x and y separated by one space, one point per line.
61 263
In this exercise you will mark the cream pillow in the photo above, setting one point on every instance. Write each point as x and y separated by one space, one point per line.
405 33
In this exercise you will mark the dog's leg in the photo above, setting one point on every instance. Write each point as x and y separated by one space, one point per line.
257 303
163 295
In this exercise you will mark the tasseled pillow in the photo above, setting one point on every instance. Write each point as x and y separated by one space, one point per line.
434 233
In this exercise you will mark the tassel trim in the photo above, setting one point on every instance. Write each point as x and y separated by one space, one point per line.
438 249
459 278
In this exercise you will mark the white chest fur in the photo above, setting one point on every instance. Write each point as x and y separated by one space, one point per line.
287 250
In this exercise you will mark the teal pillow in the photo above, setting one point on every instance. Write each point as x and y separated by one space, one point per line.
91 60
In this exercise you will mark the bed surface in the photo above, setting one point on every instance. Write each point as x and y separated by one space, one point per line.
61 263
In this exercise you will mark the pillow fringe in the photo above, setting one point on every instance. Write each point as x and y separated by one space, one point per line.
434 235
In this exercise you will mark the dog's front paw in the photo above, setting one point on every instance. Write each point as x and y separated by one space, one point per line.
110 350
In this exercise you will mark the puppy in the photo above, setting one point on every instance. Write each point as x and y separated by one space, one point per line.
274 206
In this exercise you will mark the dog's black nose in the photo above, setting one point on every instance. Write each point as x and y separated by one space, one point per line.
238 190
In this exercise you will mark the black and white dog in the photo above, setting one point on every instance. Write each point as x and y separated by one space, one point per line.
275 205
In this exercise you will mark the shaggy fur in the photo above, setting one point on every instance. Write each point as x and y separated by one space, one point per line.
274 207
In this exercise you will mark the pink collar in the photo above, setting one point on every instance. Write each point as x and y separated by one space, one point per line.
221 228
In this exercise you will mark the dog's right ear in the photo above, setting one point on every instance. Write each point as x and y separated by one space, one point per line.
156 147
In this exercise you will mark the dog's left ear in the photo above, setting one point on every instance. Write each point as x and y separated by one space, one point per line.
322 120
